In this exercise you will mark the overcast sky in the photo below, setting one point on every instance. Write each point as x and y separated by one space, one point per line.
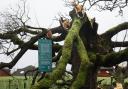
43 12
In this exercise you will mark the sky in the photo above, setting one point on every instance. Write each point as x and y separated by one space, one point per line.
43 13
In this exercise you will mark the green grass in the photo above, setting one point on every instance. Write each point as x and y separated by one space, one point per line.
15 83
106 81
18 82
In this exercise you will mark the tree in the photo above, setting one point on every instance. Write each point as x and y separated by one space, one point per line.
83 48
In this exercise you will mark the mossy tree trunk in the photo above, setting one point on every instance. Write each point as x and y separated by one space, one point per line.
92 73
87 51
66 55
99 50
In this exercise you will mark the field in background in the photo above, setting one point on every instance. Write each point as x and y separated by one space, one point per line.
21 83
15 83
107 80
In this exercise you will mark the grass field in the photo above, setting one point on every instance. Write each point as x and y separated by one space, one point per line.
108 82
14 83
21 83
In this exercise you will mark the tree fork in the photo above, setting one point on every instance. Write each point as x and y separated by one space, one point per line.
80 80
64 59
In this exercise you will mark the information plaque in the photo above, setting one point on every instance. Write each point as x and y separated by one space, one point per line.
45 55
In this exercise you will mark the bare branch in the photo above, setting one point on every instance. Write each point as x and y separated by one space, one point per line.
24 48
8 53
57 57
113 31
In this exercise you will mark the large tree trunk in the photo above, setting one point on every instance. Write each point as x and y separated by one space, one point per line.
92 73
89 37
92 78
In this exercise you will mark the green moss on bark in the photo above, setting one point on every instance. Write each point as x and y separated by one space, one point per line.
83 71
113 58
81 77
66 54
82 51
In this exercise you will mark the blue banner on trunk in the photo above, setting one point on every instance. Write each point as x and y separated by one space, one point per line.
45 55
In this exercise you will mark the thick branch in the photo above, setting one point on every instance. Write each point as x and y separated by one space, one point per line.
13 37
24 48
113 31
80 81
22 29
66 54
55 47
59 30
36 28
119 44
113 58
54 30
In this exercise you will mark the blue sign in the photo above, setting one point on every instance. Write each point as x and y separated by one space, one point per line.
45 55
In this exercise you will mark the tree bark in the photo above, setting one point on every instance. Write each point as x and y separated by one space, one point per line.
92 73
92 78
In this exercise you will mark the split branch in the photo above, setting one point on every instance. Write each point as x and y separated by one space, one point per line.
64 59
83 70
